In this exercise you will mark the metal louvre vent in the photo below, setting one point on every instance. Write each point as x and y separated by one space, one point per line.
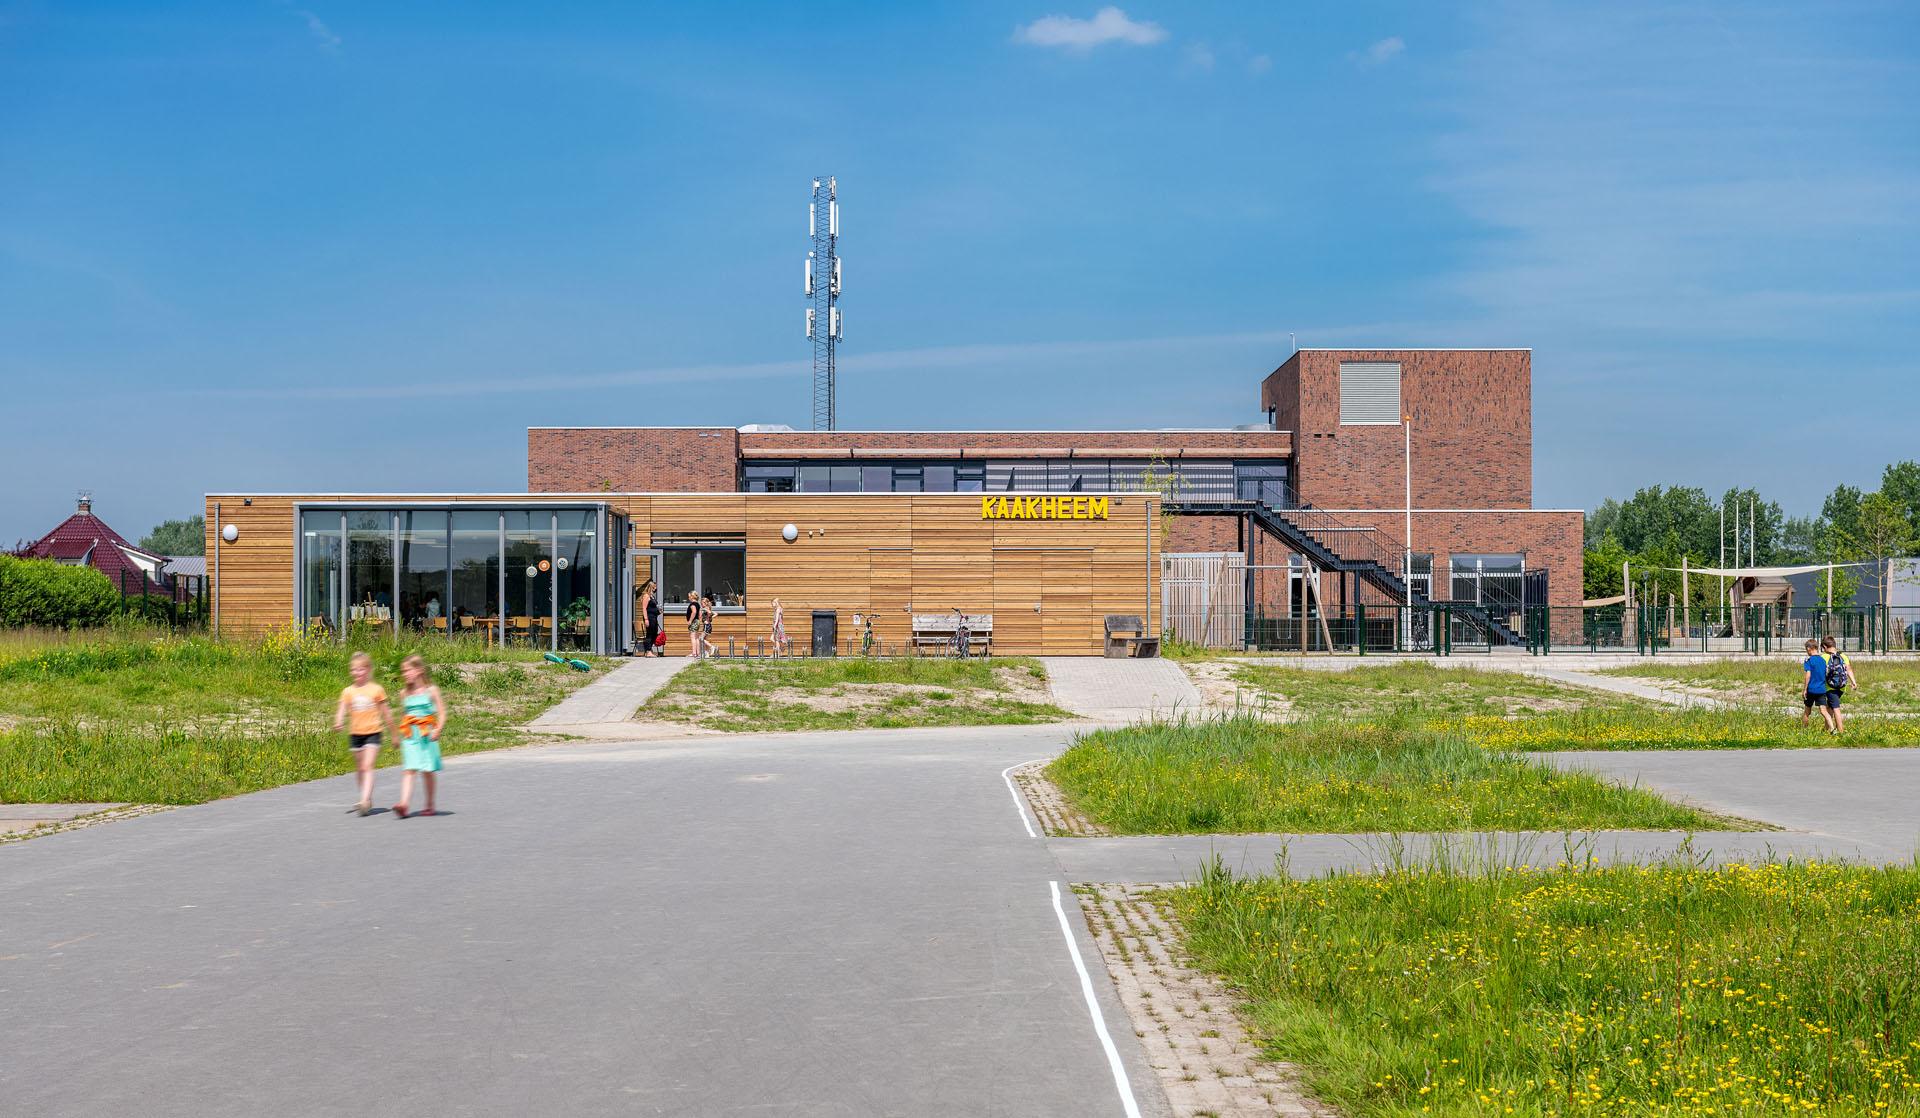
1369 392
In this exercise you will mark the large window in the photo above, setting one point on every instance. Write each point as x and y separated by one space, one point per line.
1488 580
370 567
423 570
573 576
321 551
475 608
720 572
531 577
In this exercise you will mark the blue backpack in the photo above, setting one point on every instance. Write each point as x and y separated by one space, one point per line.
1837 674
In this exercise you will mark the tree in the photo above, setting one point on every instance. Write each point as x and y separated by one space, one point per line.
177 537
1601 574
1679 519
1803 539
1881 532
1841 511
1900 481
1601 522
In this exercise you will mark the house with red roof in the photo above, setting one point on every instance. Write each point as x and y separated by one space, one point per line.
85 540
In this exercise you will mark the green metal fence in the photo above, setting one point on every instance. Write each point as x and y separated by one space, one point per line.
1757 630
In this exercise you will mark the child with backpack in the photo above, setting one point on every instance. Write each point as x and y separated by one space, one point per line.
1814 681
1839 677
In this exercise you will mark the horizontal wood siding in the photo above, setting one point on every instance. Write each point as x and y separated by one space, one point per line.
889 555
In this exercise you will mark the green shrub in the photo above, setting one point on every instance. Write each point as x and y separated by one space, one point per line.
43 592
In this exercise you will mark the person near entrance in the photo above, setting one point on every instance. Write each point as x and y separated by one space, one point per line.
781 645
650 617
698 646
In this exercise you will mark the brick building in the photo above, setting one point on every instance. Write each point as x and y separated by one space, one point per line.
1372 468
1377 484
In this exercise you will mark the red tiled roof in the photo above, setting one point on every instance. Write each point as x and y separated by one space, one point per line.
84 536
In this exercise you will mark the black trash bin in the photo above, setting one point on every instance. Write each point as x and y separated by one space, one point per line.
826 632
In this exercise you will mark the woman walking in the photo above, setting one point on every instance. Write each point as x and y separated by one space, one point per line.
694 634
706 623
422 716
779 633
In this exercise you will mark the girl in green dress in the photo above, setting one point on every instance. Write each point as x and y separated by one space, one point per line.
423 714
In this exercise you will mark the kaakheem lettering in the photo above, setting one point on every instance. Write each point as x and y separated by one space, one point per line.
1043 508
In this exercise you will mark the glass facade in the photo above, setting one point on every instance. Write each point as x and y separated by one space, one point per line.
1190 478
528 576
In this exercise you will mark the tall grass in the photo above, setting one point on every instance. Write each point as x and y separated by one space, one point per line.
131 716
1887 685
1664 990
1242 775
1667 728
1419 687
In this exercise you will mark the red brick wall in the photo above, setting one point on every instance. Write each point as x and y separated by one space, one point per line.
632 459
1202 533
1472 430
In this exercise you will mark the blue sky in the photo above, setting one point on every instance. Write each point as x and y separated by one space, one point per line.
321 245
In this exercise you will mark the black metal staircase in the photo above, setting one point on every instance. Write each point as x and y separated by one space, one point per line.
1333 546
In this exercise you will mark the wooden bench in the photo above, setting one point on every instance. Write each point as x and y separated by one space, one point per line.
1127 636
933 633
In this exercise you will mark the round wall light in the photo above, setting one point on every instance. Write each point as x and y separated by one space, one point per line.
790 533
230 533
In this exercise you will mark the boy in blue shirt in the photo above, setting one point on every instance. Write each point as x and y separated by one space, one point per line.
1814 668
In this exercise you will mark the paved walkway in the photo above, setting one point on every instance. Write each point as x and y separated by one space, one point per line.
614 696
1646 689
1129 690
810 924
791 924
25 817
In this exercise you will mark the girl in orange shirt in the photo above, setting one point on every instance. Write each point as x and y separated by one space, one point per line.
361 712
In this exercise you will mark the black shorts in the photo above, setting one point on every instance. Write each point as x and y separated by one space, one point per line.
1815 699
356 741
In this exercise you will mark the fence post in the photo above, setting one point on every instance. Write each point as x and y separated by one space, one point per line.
1360 626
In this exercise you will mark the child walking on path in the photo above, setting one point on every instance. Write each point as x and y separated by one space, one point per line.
361 712
1839 677
779 633
423 715
1814 674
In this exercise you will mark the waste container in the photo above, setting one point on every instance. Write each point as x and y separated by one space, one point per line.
826 632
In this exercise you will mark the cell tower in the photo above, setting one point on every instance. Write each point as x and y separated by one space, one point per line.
823 298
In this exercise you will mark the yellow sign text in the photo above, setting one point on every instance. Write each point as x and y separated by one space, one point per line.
1043 508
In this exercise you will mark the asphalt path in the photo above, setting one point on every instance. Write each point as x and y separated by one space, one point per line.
818 924
804 924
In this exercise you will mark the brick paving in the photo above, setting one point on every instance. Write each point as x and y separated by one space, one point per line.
1185 1018
613 697
1130 690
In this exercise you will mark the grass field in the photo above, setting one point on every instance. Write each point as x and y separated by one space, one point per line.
1244 775
1564 991
856 693
1887 685
1672 728
1417 687
134 717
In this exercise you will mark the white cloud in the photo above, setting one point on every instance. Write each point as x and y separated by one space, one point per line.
1078 36
316 27
1198 55
1386 50
1259 64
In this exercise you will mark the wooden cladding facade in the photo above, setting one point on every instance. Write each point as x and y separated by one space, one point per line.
1049 584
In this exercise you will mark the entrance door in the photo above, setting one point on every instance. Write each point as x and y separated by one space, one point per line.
643 564
1067 605
1019 581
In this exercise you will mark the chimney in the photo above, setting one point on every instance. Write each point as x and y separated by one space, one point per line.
86 501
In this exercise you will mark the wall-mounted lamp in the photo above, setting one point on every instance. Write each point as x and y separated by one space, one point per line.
790 533
230 533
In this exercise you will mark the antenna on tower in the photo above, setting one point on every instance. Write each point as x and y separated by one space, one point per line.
823 298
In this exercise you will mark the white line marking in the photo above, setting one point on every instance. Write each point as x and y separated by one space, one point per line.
1131 1107
1019 804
